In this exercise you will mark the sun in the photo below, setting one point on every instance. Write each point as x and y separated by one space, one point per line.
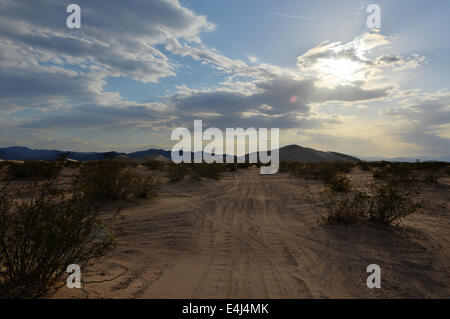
341 70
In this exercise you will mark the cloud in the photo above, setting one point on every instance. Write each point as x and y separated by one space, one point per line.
425 118
117 38
336 63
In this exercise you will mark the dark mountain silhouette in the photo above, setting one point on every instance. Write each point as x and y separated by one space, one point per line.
287 153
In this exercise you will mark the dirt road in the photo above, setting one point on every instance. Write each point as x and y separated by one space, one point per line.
253 236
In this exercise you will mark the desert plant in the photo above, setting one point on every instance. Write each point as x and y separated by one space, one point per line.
338 183
345 207
114 180
33 169
154 165
384 203
176 172
103 180
205 170
145 186
395 172
41 236
364 166
390 203
244 165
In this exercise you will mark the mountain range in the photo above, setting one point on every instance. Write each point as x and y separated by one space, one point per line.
287 153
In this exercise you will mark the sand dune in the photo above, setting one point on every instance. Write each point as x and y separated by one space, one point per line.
254 236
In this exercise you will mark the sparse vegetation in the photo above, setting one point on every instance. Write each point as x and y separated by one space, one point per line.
176 172
113 180
364 166
155 165
338 183
33 169
41 236
204 170
395 172
390 203
345 207
384 203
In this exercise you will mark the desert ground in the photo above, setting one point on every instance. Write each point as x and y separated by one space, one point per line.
261 236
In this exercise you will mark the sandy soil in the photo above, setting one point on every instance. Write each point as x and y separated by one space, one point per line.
253 236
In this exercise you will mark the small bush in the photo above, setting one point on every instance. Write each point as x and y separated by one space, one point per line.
33 169
145 186
364 166
155 165
319 171
244 165
345 207
395 172
114 180
382 203
176 172
205 170
390 203
41 236
338 183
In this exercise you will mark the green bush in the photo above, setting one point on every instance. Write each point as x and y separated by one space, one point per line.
33 169
41 236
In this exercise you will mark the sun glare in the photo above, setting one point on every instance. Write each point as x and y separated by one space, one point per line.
339 70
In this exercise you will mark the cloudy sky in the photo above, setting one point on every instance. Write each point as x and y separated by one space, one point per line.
137 69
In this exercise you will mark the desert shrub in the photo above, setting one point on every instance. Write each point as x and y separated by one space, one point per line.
320 171
287 166
244 165
364 166
345 207
113 180
176 172
338 183
103 180
72 164
384 203
395 172
33 169
379 164
205 170
154 165
431 166
145 186
41 236
390 203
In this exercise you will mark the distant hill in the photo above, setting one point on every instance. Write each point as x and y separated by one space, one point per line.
24 153
287 153
305 154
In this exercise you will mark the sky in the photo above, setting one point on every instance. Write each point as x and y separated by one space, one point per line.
137 69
